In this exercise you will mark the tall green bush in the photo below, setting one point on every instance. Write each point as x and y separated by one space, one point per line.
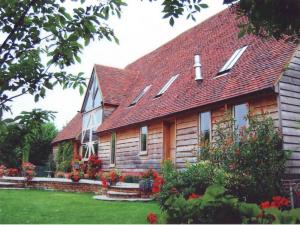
194 179
64 156
252 155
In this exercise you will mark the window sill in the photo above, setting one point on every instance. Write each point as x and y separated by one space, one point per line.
143 153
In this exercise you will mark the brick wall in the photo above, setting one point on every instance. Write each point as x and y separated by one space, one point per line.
55 184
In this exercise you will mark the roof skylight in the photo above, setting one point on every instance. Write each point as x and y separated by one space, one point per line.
143 92
233 59
166 86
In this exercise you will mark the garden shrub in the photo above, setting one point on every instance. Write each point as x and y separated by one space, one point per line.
253 157
64 156
217 207
194 179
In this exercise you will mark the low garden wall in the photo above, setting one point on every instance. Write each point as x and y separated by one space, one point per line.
61 184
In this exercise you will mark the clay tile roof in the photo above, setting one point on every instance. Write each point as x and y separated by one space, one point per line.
215 40
114 83
71 131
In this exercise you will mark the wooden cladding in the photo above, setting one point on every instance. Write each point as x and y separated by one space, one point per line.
176 139
289 101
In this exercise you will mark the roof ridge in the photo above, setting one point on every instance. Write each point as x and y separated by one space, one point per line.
177 36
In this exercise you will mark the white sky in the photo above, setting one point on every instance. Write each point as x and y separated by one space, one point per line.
140 30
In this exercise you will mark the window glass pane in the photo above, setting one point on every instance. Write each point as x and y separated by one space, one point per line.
85 120
97 100
205 124
233 59
96 148
240 115
140 95
113 149
86 136
166 86
98 117
84 151
143 136
94 136
89 103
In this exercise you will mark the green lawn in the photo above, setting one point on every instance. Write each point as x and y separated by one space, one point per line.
32 206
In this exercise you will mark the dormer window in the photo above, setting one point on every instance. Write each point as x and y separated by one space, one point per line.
143 92
166 86
233 59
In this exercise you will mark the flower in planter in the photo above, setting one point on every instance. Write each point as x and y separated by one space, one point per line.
104 183
76 175
152 218
93 166
67 175
28 170
2 170
12 172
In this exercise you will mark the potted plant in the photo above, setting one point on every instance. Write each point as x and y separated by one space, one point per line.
76 175
2 170
93 166
113 177
145 186
104 186
28 170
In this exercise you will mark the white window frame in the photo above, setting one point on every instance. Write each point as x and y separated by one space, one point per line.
234 116
111 143
166 86
141 94
140 141
232 60
210 125
91 114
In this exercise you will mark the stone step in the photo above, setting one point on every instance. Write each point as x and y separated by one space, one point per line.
108 198
117 194
117 189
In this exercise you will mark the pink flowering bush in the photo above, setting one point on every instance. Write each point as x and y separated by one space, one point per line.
28 170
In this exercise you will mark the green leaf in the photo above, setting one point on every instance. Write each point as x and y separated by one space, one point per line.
81 90
171 21
36 98
249 209
204 6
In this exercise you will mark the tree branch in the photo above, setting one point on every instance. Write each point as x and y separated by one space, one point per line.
18 23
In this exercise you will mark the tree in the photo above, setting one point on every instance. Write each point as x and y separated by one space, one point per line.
11 138
27 136
270 18
40 145
43 30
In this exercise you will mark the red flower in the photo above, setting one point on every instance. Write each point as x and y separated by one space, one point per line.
277 202
152 218
265 205
104 183
194 196
280 201
157 183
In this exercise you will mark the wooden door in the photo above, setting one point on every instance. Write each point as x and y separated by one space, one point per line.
170 141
